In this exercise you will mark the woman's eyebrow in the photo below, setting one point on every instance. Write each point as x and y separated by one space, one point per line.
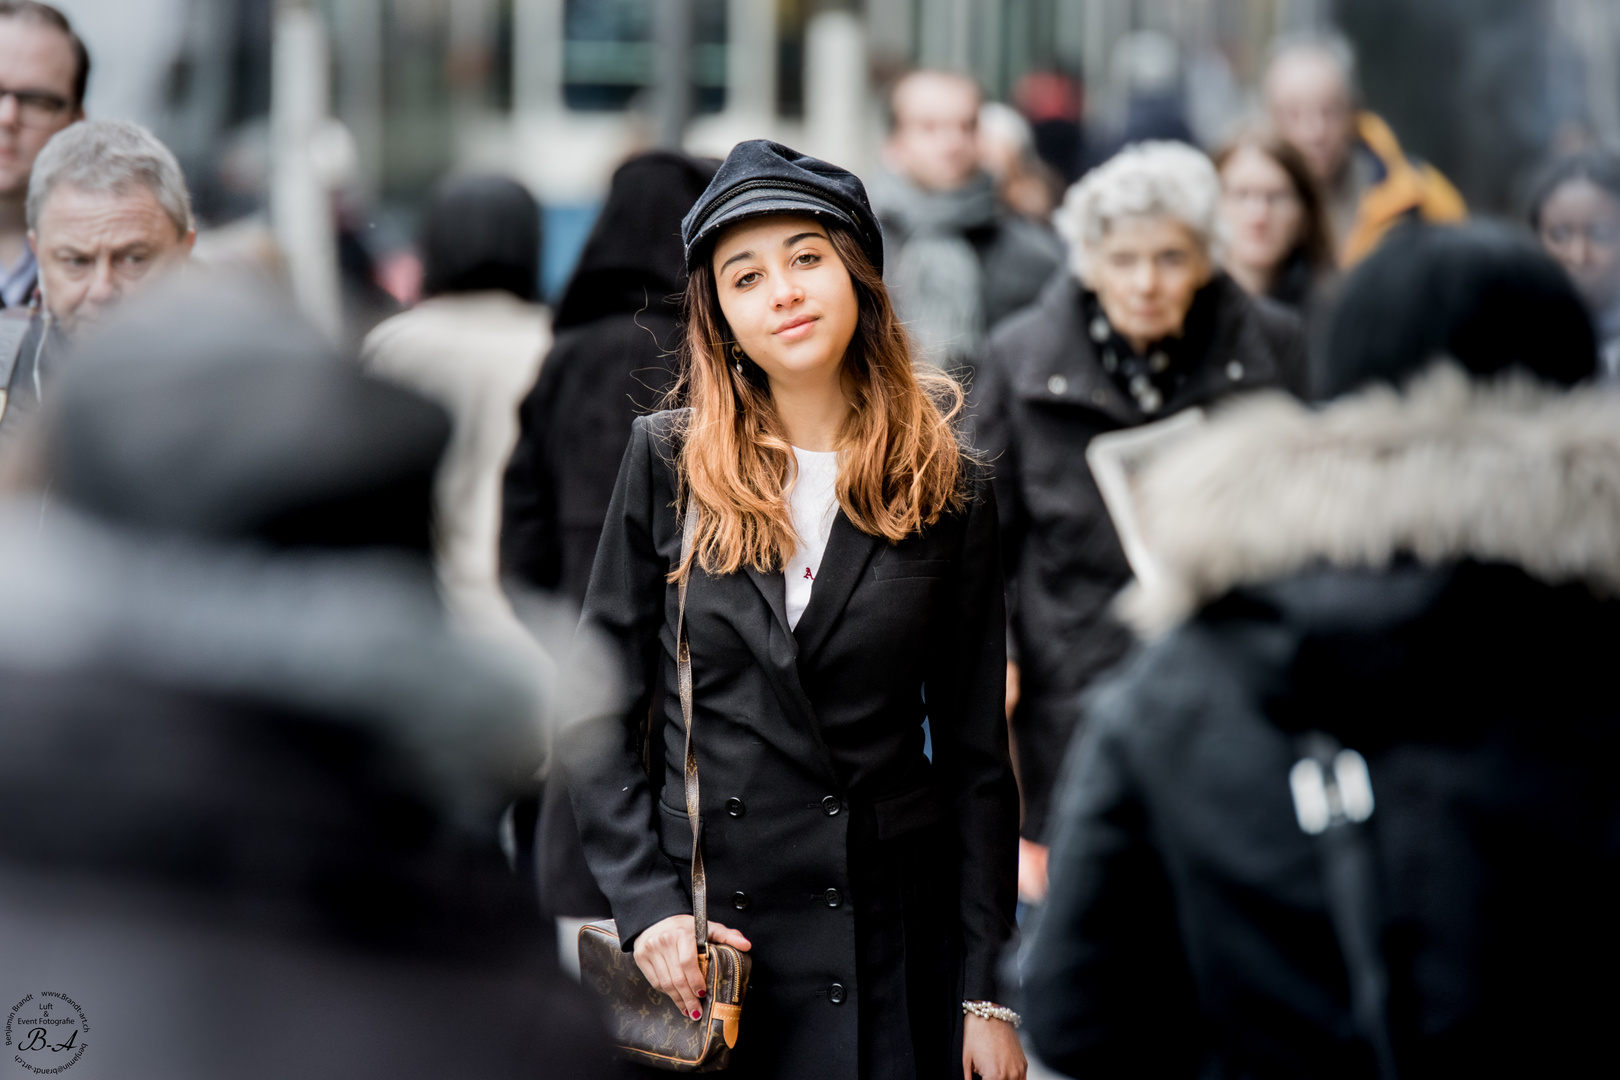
734 258
790 241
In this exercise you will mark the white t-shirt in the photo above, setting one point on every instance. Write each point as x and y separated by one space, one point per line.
814 501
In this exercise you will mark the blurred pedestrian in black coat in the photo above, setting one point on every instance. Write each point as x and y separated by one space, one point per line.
610 362
615 336
1423 570
252 779
1105 348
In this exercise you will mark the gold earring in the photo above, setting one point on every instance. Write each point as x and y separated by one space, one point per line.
737 357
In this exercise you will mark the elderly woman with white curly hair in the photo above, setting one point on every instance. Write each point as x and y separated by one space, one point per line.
1144 326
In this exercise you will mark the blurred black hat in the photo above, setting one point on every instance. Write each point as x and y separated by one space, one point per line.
760 177
215 411
1479 294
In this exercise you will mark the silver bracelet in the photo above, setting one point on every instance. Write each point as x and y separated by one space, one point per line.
989 1010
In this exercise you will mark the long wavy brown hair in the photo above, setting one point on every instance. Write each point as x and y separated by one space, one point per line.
901 463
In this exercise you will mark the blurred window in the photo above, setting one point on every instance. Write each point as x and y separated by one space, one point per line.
608 53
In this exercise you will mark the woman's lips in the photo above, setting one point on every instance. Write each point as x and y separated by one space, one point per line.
796 328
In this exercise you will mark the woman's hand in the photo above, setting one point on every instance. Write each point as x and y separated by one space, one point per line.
1032 858
1015 688
990 1049
666 952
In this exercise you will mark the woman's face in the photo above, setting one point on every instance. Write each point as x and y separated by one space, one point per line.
1146 272
787 296
1264 215
1580 227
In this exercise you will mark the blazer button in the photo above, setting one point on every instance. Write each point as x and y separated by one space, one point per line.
735 807
835 993
830 806
739 900
834 898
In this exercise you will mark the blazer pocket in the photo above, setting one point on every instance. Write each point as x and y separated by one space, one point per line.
675 832
911 568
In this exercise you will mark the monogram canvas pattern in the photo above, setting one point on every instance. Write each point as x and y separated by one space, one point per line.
645 1024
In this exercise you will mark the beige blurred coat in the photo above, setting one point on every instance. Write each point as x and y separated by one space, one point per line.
477 355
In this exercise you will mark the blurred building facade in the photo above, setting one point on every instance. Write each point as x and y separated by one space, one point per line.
558 92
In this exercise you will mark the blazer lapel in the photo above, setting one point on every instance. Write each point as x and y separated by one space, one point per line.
774 589
842 565
782 653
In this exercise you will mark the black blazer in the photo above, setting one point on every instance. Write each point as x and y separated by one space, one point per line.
810 750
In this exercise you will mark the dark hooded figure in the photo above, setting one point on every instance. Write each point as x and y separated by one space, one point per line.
615 333
251 779
1352 811
615 337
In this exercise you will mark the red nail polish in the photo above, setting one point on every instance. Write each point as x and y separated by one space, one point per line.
696 1015
703 993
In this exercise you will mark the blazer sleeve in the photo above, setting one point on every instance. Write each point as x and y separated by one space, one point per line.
1106 987
601 756
965 687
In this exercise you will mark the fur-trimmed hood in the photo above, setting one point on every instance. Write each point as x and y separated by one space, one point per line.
1450 469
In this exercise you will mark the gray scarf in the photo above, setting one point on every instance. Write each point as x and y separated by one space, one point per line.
933 271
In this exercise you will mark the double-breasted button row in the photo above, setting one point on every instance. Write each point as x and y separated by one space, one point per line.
836 993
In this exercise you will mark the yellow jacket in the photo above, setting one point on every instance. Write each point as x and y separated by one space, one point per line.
1407 187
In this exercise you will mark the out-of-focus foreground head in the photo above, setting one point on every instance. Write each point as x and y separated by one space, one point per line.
935 139
108 213
480 233
255 776
44 68
1575 211
218 413
1479 294
1310 94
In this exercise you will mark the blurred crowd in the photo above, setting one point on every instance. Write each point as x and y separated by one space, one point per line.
1307 491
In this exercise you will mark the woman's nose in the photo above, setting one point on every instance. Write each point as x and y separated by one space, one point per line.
786 294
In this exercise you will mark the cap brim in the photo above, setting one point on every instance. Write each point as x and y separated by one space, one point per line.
766 204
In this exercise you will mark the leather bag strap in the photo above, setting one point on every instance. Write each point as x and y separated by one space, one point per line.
683 673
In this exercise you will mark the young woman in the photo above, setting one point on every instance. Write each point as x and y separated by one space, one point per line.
1575 211
844 586
1279 243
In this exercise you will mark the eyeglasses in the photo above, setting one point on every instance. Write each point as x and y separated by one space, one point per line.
35 108
1272 199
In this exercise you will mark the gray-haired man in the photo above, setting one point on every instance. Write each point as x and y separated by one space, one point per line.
108 213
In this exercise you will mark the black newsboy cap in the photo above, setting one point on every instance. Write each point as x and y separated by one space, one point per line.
761 177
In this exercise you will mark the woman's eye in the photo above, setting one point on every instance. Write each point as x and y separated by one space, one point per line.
807 258
746 280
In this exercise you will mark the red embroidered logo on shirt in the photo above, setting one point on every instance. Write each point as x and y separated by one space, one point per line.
808 576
